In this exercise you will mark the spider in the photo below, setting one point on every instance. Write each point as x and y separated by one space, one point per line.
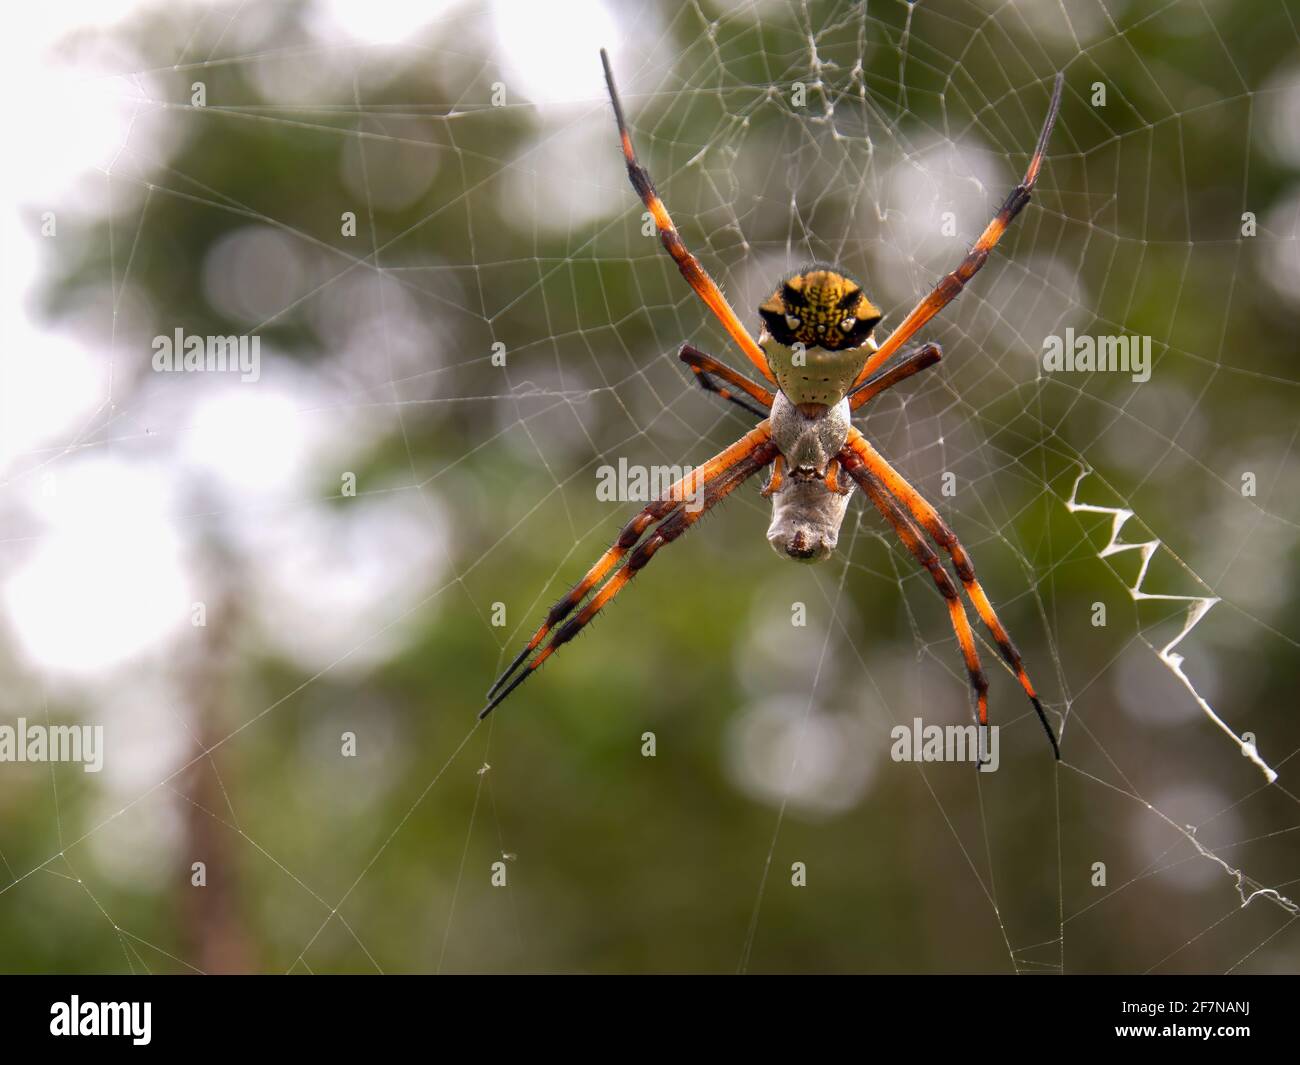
815 346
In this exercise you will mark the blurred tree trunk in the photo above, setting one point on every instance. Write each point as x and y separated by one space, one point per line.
211 920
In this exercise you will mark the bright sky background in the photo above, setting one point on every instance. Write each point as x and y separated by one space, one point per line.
99 573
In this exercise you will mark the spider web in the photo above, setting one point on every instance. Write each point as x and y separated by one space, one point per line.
880 137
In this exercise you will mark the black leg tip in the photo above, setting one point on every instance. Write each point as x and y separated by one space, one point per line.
1047 727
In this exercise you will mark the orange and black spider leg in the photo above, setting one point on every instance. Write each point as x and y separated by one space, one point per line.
626 541
776 478
707 370
919 360
914 540
696 276
832 479
929 518
948 289
710 483
689 487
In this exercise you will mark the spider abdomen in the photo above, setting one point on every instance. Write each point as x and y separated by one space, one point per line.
806 511
806 519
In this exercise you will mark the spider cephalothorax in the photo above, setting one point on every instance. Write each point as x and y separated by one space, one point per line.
816 347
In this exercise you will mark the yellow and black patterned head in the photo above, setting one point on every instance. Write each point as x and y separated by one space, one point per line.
817 335
819 308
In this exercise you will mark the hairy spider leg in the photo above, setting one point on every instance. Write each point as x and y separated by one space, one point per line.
950 287
706 367
864 455
708 371
717 478
921 359
696 276
914 540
